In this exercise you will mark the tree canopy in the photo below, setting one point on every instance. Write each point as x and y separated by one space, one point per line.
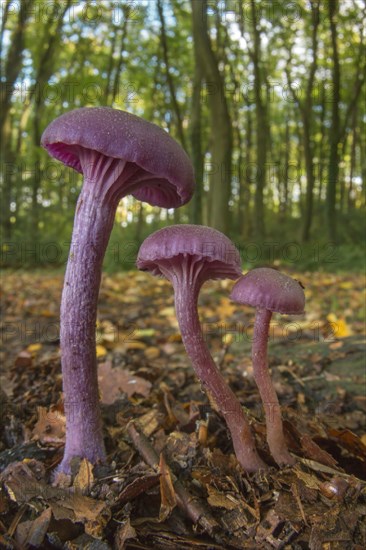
268 99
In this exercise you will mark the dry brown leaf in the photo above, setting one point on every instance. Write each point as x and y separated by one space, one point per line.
50 426
314 452
124 532
94 514
167 493
39 529
149 422
24 359
84 478
310 480
221 500
113 382
349 441
25 480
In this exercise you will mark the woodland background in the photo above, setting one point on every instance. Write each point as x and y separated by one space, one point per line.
267 97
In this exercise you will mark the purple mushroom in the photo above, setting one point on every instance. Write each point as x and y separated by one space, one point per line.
269 291
189 255
119 154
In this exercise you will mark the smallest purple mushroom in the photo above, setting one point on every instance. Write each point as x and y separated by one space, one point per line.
269 291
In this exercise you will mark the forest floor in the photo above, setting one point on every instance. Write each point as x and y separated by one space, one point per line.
172 480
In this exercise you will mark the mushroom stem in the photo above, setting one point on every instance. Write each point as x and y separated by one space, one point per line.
92 227
275 436
186 295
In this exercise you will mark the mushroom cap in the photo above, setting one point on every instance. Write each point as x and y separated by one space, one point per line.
168 179
267 288
212 252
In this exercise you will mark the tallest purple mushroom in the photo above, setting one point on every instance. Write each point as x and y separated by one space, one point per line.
118 154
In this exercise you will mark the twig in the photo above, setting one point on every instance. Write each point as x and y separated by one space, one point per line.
194 509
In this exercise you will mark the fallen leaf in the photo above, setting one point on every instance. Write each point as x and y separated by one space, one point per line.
339 326
167 493
50 427
39 529
33 348
94 514
113 382
100 350
23 360
124 532
143 332
84 478
220 500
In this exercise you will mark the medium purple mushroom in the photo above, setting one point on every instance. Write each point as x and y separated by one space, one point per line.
269 291
119 154
189 255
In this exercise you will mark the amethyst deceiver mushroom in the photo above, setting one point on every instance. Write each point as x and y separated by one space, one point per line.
119 154
189 255
269 291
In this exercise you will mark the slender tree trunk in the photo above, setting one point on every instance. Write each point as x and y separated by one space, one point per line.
350 191
323 132
139 223
196 138
171 85
306 112
118 68
261 127
36 174
5 12
333 161
221 131
108 80
309 167
10 69
284 194
244 210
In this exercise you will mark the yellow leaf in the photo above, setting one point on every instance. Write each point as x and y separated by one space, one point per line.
33 348
340 328
346 285
227 339
143 332
101 350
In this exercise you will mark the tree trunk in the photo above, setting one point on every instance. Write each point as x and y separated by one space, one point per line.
350 191
309 167
284 194
171 85
10 69
244 210
196 138
118 68
333 161
261 128
221 131
306 111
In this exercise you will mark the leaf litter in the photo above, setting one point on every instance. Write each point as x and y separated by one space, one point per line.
172 480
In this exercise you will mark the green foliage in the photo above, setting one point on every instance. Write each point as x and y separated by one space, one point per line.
85 55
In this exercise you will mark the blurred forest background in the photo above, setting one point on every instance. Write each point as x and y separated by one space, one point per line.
267 97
